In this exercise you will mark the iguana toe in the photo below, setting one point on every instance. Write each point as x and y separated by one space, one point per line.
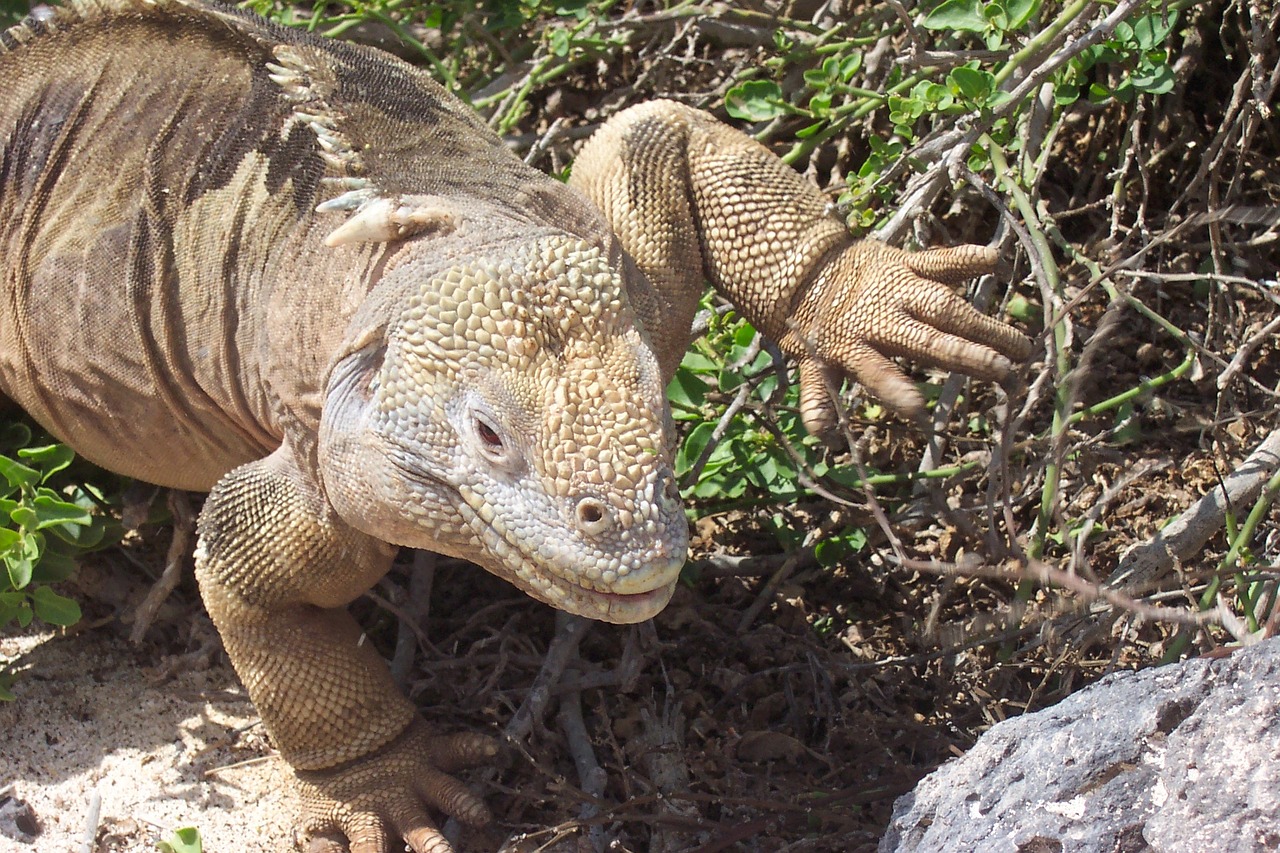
873 303
953 264
380 803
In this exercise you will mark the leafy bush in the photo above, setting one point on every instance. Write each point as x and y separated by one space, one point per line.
12 11
47 519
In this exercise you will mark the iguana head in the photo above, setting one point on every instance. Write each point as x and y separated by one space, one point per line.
510 412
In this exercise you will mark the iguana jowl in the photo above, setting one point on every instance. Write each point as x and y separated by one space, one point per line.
298 274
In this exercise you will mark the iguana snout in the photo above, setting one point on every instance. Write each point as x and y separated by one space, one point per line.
511 412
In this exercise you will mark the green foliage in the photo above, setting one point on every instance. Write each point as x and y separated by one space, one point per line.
47 519
761 453
993 20
1134 61
756 100
12 11
747 459
183 840
523 43
834 549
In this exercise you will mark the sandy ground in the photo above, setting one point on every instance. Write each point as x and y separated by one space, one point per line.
186 751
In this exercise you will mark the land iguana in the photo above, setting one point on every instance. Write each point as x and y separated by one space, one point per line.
298 274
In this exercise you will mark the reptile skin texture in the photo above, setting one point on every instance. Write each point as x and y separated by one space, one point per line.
300 276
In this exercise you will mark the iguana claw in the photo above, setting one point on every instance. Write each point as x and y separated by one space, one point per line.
874 302
381 801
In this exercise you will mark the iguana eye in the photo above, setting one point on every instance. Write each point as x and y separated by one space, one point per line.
489 436
488 439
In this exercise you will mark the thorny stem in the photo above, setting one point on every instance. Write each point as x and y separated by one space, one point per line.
1143 387
1241 541
1062 359
1041 40
870 480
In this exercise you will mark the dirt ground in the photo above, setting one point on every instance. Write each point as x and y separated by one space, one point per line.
92 721
708 735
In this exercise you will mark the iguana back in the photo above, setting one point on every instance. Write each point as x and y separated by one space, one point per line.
171 305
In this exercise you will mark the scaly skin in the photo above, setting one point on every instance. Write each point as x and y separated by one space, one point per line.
301 276
691 198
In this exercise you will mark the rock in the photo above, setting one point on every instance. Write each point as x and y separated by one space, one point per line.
17 819
1183 757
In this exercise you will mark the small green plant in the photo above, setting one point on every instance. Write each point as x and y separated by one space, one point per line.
12 11
745 444
185 839
1134 61
993 20
468 47
47 519
728 455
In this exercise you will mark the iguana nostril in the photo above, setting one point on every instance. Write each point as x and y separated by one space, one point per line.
593 516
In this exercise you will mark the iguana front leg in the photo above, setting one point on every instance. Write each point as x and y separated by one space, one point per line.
692 199
276 571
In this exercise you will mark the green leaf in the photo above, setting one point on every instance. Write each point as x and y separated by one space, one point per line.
84 537
12 606
972 83
818 78
850 66
699 363
54 608
15 434
574 8
1021 308
50 511
53 567
1154 80
729 380
764 474
961 15
830 552
18 474
1151 31
997 17
1020 11
687 390
25 517
693 446
755 100
1098 93
20 567
183 840
49 459
1066 94
560 41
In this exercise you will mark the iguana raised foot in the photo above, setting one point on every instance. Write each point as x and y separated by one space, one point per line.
298 274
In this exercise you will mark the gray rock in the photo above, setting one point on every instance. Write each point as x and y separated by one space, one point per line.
1176 758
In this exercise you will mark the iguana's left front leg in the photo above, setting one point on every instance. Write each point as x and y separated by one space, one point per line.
694 200
277 569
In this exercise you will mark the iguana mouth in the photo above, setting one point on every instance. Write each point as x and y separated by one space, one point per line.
647 575
623 607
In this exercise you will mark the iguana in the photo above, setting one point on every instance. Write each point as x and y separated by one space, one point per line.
299 275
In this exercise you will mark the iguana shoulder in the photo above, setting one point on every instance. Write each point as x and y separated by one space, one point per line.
220 160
